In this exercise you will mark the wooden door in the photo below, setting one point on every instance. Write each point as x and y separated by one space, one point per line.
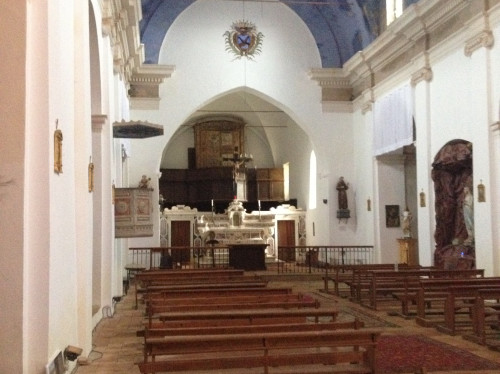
286 238
181 237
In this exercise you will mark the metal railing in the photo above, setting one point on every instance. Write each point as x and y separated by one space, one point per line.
318 259
178 257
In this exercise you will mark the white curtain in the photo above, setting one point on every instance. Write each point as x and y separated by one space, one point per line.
393 121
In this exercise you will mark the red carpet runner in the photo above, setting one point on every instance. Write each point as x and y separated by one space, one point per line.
406 354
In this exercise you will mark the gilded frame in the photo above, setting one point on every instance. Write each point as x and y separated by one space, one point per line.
58 138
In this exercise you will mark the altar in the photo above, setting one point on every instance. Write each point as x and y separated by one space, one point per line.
247 256
240 239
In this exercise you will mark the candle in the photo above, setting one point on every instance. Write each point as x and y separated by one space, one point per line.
259 204
212 203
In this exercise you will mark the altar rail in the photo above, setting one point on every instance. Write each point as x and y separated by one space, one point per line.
179 257
319 259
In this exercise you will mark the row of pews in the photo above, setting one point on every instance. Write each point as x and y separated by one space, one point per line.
200 320
453 301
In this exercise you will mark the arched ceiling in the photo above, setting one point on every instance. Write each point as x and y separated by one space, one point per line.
340 27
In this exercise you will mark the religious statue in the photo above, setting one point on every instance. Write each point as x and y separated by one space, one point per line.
342 188
407 218
144 182
342 212
468 209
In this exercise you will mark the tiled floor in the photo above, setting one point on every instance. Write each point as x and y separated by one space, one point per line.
117 349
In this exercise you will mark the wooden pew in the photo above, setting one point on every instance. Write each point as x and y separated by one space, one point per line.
338 274
486 318
277 327
228 304
431 296
205 284
237 299
380 285
147 278
352 350
460 301
219 292
250 317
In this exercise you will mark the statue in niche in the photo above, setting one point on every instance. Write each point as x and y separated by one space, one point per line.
343 211
468 209
342 188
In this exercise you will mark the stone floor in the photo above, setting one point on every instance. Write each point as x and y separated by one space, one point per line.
116 348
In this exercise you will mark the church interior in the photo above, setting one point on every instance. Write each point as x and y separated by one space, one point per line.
289 134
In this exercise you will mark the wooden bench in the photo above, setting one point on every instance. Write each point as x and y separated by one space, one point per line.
460 302
202 285
237 300
147 278
212 293
276 327
486 318
431 296
380 285
340 274
228 304
352 351
250 317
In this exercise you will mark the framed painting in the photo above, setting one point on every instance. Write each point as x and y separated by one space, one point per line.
392 216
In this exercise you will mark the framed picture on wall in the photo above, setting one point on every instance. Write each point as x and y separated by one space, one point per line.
392 216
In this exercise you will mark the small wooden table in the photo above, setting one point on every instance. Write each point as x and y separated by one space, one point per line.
247 256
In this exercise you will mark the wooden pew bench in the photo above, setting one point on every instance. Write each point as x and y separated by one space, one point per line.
212 293
431 296
228 304
459 303
486 318
235 302
276 327
380 285
202 285
344 274
250 317
329 351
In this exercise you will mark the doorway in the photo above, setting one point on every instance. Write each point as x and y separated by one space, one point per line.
286 238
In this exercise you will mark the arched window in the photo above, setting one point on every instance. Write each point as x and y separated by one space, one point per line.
312 181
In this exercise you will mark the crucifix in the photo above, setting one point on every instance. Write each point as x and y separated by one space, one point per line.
238 160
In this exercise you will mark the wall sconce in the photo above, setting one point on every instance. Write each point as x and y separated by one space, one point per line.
422 198
325 201
480 192
369 205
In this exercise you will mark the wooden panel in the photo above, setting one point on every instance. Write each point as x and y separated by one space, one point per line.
217 139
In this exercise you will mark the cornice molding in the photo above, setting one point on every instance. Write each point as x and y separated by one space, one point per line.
484 39
421 75
331 77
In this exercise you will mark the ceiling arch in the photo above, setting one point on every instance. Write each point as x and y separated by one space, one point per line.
340 27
